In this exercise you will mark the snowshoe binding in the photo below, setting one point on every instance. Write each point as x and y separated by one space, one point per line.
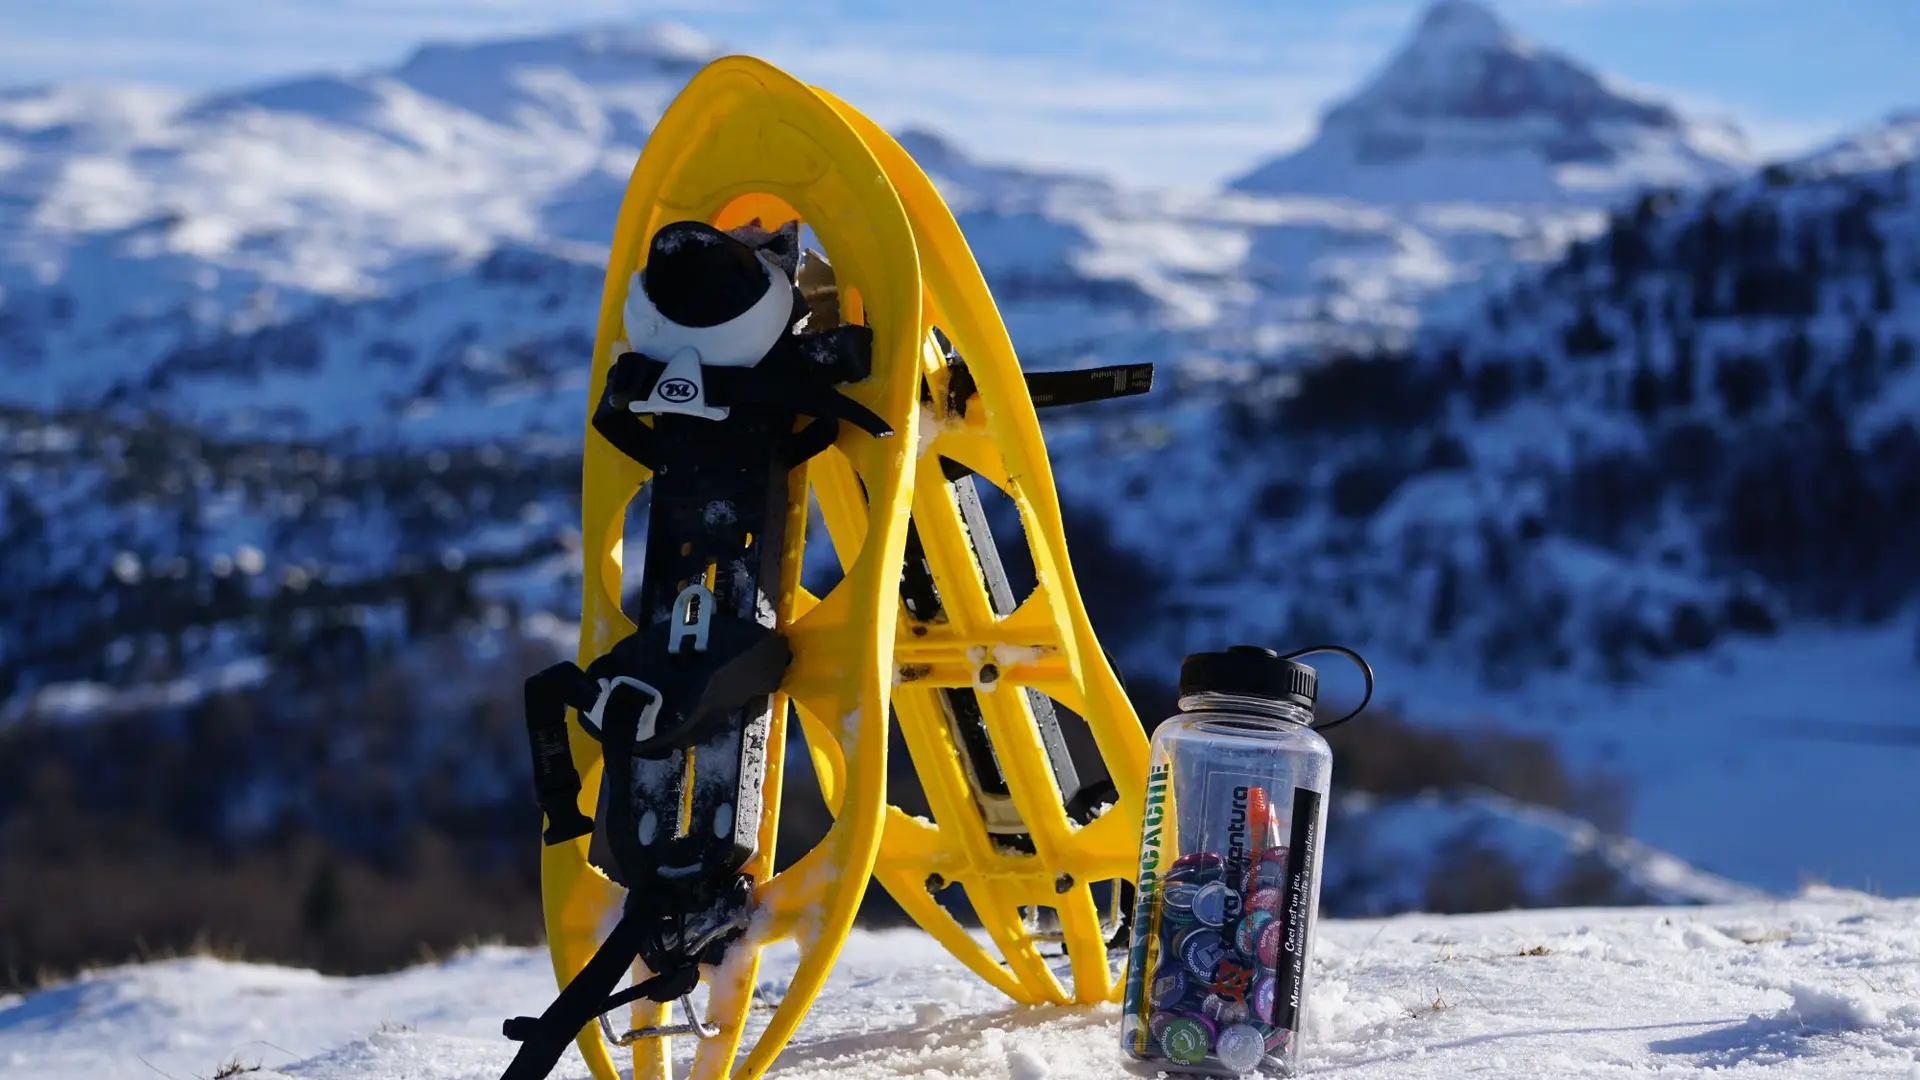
661 796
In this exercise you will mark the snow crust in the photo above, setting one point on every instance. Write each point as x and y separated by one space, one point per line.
1823 985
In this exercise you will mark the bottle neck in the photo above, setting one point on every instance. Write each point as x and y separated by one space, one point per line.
1263 708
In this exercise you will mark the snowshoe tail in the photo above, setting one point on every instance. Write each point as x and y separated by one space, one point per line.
1043 844
741 144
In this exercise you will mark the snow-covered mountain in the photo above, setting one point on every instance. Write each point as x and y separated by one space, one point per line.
1889 144
305 361
1541 422
1083 271
338 184
1420 854
1822 987
1680 460
141 232
1468 111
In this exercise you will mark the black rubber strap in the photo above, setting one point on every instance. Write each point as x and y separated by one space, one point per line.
556 784
843 354
805 393
1050 388
630 379
809 441
545 1038
670 985
752 673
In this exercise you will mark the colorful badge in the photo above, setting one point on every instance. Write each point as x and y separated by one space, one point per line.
1185 1040
1239 1048
1211 903
1246 935
1200 951
1223 1010
1169 986
1269 944
1271 870
1263 988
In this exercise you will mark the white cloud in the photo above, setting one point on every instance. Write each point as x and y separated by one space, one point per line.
1174 128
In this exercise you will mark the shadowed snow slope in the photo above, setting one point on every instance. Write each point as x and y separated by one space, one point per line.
1822 986
340 183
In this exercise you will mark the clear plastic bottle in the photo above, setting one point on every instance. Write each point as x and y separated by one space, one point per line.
1229 871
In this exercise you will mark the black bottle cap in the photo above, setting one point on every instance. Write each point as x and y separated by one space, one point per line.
1249 671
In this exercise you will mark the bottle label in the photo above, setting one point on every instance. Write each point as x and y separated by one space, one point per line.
1220 930
1303 859
1143 950
1239 826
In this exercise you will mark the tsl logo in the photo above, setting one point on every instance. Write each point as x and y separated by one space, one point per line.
678 391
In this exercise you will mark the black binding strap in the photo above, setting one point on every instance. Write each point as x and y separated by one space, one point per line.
832 355
619 426
752 672
590 994
556 785
1051 388
811 440
803 391
544 1039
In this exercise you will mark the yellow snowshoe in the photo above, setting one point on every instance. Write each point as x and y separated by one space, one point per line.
700 386
731 385
1040 850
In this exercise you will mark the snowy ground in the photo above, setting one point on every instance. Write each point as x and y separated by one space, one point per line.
1824 985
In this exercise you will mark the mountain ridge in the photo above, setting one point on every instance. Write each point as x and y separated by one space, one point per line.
1467 110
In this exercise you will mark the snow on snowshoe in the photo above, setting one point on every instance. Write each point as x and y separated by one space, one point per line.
1044 847
661 795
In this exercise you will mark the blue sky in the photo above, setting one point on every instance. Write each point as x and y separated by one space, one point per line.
1154 91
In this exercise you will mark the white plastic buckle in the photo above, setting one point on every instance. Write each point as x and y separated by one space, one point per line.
692 616
649 716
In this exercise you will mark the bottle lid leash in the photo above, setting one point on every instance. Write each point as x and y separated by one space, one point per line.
1366 672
